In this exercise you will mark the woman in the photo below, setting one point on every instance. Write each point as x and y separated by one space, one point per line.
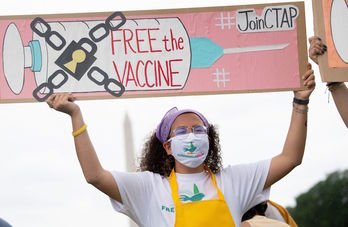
182 182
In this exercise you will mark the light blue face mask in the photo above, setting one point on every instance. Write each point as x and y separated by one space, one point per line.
190 150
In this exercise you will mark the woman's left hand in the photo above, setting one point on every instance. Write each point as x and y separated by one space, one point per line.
308 82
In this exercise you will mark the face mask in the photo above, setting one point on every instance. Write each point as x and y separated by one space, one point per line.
190 149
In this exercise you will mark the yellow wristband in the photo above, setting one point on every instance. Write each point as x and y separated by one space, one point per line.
80 130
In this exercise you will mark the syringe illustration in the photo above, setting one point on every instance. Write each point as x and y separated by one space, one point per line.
130 64
205 52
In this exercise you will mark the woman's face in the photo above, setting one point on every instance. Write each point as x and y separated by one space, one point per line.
184 120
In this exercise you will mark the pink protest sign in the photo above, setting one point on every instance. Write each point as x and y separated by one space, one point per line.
195 51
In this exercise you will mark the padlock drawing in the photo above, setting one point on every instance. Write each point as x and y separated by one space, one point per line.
76 59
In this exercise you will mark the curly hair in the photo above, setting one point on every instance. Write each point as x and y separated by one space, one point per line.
155 159
259 209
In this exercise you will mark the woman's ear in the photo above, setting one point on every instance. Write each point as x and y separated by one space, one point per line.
167 147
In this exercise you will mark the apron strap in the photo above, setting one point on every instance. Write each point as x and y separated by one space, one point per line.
220 195
285 214
174 186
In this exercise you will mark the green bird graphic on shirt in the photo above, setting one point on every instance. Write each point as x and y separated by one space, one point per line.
198 196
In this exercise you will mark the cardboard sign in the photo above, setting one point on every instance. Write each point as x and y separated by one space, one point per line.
330 24
215 50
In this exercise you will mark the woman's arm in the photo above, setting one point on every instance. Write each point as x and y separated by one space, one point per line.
91 167
340 95
339 91
294 146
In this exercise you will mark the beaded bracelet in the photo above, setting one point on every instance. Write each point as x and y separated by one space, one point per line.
299 110
80 130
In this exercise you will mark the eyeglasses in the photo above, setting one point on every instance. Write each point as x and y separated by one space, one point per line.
198 130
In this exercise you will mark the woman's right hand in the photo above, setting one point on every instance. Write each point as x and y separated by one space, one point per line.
63 102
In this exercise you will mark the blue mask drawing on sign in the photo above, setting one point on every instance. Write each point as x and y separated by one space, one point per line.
190 149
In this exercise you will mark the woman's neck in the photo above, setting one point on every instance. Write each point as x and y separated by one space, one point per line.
180 168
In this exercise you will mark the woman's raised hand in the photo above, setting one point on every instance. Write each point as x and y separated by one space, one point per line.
308 82
63 102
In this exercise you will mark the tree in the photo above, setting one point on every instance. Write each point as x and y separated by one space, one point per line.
325 204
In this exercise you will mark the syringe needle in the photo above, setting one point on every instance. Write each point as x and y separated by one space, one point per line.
254 48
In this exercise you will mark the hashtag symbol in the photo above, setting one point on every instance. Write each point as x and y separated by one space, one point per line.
220 77
225 21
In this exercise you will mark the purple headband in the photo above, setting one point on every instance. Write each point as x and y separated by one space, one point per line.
163 129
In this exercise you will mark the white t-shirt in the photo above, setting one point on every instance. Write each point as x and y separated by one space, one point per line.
147 198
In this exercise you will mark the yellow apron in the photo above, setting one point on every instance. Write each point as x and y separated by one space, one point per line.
204 213
285 214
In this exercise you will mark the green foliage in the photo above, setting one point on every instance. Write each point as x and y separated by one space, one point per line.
325 204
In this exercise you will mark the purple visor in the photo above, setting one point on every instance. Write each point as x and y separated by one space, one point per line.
163 129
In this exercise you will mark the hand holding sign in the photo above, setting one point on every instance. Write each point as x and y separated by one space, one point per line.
309 83
63 102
